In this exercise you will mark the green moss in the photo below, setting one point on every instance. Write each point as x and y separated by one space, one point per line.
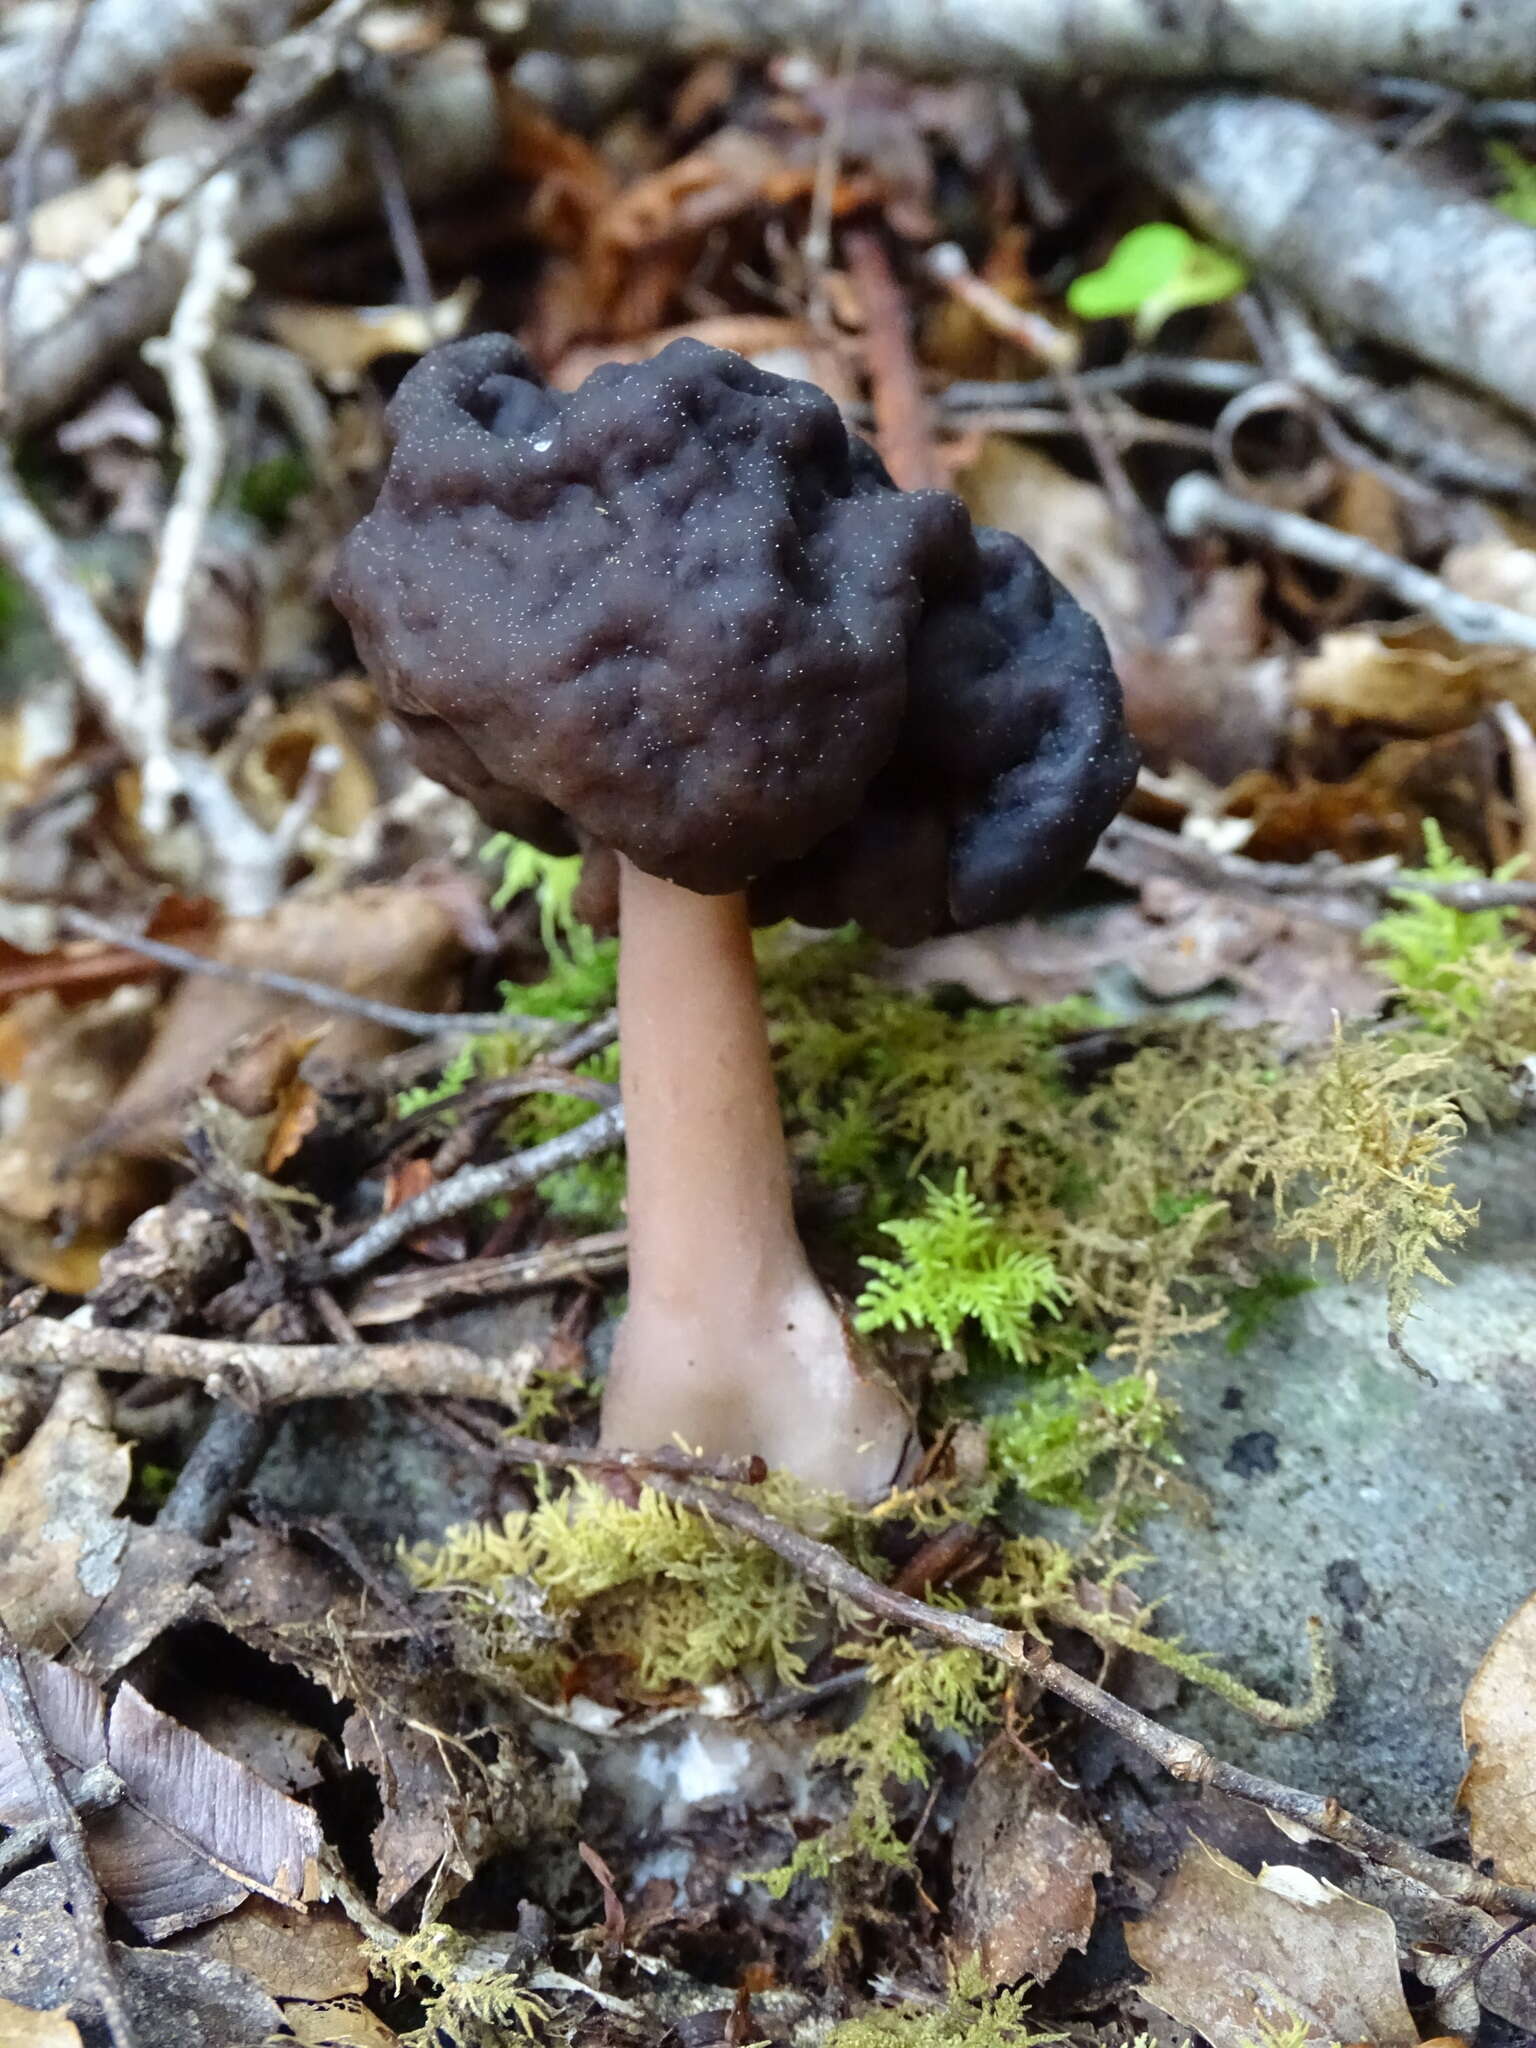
267 490
1053 1444
666 1596
971 2016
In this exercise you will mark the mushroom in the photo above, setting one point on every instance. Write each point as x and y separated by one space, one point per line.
682 614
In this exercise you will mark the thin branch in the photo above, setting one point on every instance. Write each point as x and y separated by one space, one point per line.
97 1979
1131 852
21 174
903 426
99 659
182 358
258 1375
416 1023
399 218
474 1185
396 1295
1209 376
97 1791
948 265
1197 504
1180 1755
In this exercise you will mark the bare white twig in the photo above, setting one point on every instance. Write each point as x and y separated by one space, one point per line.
99 659
1198 504
182 358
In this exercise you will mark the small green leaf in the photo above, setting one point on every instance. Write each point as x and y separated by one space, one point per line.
1152 273
1518 199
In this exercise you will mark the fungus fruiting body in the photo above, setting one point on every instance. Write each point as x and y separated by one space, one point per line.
681 613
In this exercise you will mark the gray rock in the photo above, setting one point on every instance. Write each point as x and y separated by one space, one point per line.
1402 1511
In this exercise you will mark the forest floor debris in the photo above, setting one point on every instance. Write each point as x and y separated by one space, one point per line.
345 1687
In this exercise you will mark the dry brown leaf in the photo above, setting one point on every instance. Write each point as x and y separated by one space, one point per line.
398 944
1228 1954
1025 1858
22 2028
430 1816
339 342
269 771
58 1204
1411 678
196 1831
64 1541
339 2024
1498 1726
1070 525
273 1745
310 1955
1210 697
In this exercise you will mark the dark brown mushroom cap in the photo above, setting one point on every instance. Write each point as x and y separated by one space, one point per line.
682 613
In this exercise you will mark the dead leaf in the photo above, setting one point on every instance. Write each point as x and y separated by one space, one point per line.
1070 525
64 1541
1498 1727
273 1745
1411 678
22 2028
1227 1953
339 342
339 2024
314 1955
1210 697
196 1831
1025 1858
57 1204
440 1812
397 944
269 770
173 2001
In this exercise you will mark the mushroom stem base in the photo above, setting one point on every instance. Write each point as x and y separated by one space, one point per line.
731 1344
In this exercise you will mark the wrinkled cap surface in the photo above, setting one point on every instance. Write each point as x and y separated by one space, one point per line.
682 613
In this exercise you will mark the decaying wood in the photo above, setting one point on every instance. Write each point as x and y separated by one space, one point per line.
1366 237
1482 48
262 1375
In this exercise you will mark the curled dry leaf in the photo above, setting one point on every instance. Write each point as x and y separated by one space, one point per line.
338 2023
1498 1726
64 1541
196 1832
1229 1955
1025 1859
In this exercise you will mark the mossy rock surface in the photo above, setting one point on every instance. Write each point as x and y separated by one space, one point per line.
1401 1511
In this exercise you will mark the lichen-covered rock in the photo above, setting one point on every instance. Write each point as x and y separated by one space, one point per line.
680 612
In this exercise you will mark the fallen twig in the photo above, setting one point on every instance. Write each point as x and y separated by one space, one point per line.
1067 40
129 48
97 1979
415 1023
221 1462
1131 853
1180 1755
471 1186
182 358
1198 504
903 425
948 265
266 1375
396 1295
97 1791
21 171
1521 744
1367 237
66 334
101 663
